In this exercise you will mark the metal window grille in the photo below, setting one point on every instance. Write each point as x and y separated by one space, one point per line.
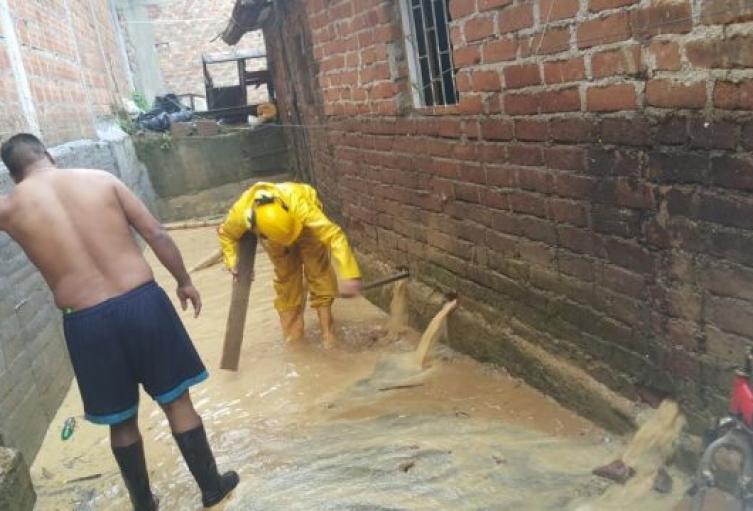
426 25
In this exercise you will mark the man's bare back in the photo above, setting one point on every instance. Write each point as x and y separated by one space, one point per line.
74 226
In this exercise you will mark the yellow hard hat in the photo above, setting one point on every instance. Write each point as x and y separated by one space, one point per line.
271 219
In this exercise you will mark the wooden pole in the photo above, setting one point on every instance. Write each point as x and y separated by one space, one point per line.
236 318
192 224
209 261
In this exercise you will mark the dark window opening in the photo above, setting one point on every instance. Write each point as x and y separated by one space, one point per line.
430 36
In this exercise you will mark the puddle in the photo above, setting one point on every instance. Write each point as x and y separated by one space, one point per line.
370 425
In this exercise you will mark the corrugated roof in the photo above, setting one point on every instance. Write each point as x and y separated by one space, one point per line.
247 15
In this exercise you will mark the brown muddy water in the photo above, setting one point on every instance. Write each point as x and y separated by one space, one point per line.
360 427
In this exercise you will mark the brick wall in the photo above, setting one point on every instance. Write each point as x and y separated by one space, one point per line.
72 62
180 44
593 184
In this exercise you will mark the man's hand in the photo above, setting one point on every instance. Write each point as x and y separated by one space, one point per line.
234 272
350 288
187 292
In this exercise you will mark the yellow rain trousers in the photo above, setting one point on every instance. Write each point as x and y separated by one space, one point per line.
309 256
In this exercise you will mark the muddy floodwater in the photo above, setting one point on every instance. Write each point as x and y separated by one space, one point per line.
351 428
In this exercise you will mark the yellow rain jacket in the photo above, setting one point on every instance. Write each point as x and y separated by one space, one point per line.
319 238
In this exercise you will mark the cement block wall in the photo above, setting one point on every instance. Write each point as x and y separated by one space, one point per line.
592 185
197 175
35 372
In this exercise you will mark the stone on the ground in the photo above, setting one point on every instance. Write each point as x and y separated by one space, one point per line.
16 490
616 471
663 481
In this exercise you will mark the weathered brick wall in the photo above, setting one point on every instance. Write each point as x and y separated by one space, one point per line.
180 43
593 183
73 65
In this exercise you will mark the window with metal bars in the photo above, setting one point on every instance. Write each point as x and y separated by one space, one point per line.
429 50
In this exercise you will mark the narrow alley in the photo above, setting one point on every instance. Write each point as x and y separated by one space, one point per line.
308 431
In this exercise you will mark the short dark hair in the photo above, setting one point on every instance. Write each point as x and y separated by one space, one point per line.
20 151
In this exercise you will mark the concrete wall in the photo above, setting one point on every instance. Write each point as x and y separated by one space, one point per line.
34 368
137 33
590 192
202 175
16 489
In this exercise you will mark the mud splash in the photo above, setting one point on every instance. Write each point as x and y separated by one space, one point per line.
293 423
649 451
398 310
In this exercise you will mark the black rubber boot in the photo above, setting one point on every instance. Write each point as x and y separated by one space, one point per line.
133 469
195 448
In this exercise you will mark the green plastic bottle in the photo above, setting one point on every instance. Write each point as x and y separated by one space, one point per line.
68 428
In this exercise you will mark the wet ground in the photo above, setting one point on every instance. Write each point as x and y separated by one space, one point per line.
316 429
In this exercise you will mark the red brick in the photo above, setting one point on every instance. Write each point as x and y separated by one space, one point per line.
554 40
601 5
730 172
485 5
726 11
734 96
470 104
531 130
622 61
562 71
565 158
522 75
462 8
499 50
516 18
496 129
563 100
463 82
666 55
662 17
612 98
705 134
485 81
476 29
553 10
727 53
607 29
668 94
383 90
571 130
467 56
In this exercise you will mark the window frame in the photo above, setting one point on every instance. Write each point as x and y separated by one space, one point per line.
412 56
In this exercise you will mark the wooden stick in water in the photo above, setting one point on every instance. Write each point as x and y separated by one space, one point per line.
192 224
236 318
209 261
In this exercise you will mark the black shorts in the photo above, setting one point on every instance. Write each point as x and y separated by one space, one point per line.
130 339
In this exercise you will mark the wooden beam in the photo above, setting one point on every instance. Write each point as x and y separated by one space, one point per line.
236 318
209 261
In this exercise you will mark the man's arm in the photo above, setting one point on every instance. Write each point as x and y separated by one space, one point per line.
142 220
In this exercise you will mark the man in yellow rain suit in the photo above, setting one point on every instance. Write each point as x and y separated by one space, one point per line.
299 239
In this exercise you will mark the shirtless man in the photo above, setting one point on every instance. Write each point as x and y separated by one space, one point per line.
120 327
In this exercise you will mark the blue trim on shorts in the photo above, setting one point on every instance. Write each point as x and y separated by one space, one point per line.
113 418
172 395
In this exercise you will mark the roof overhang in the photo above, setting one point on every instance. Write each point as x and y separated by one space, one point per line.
247 15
